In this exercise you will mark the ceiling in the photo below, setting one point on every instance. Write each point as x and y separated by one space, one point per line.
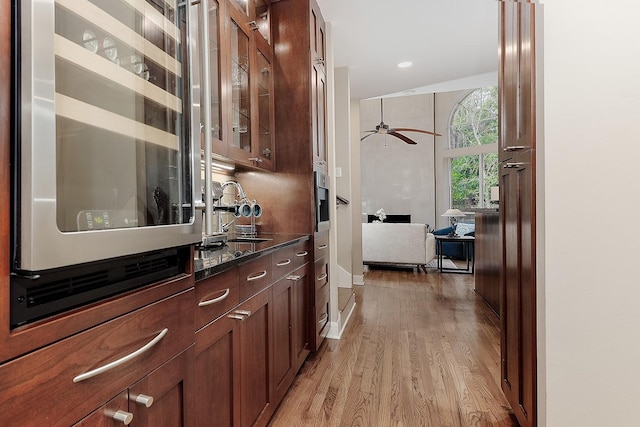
453 44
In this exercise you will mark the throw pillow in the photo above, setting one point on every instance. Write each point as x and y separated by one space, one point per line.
463 228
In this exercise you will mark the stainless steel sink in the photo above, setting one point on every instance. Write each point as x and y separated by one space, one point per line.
248 240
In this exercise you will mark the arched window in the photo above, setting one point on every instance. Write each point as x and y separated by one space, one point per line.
473 149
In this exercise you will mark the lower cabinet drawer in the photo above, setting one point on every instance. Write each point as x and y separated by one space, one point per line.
216 295
322 313
62 383
282 263
321 273
254 276
321 244
301 254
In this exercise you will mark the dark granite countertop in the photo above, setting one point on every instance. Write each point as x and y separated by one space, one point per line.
214 260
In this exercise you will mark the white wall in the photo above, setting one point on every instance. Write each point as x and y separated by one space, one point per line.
397 176
343 216
591 312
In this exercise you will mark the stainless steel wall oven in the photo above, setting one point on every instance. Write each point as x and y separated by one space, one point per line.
321 193
104 166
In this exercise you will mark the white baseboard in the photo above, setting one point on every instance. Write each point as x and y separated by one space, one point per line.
337 328
344 278
358 279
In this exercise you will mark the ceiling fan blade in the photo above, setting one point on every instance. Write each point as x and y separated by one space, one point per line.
362 139
402 137
415 130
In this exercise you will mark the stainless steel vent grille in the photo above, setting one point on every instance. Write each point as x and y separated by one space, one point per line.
51 292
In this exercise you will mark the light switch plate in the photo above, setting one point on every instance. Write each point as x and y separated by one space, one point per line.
338 172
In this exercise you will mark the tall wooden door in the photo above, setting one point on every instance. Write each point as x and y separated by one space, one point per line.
517 84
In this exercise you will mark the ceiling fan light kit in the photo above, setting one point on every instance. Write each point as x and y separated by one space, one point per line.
384 129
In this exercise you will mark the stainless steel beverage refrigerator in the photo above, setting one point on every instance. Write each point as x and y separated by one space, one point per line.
106 155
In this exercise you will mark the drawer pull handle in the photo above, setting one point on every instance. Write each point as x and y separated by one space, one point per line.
514 148
293 277
322 276
243 312
283 263
324 318
322 247
260 275
236 316
123 360
143 399
514 165
214 300
122 416
303 253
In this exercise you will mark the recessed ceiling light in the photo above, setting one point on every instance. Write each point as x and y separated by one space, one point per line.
405 64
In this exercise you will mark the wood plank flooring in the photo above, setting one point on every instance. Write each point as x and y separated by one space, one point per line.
419 350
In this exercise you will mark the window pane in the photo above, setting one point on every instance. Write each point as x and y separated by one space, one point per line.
490 177
475 121
465 191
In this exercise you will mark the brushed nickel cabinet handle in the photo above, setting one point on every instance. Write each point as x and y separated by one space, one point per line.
122 416
324 318
253 277
236 316
122 360
143 399
514 148
214 300
514 165
303 253
322 276
293 277
322 247
283 263
243 312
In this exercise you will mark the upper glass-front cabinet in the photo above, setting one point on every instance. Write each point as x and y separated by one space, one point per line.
240 88
214 69
265 122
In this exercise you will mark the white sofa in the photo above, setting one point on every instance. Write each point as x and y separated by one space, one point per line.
397 243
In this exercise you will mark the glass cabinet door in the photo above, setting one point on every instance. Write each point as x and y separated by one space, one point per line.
214 69
265 107
240 88
121 115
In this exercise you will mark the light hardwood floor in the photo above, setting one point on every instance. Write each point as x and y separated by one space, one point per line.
419 350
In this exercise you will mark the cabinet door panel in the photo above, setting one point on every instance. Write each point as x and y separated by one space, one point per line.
282 335
518 305
299 316
170 387
105 416
217 392
255 360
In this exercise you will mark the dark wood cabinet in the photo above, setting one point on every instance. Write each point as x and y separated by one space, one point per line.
517 78
217 391
247 358
289 323
320 314
73 378
488 258
165 396
318 87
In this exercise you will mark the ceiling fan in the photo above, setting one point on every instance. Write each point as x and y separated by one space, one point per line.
384 129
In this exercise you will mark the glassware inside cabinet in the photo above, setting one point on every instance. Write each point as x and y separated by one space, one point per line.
121 114
214 68
264 106
240 88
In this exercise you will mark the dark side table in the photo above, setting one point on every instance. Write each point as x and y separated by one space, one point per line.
468 248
